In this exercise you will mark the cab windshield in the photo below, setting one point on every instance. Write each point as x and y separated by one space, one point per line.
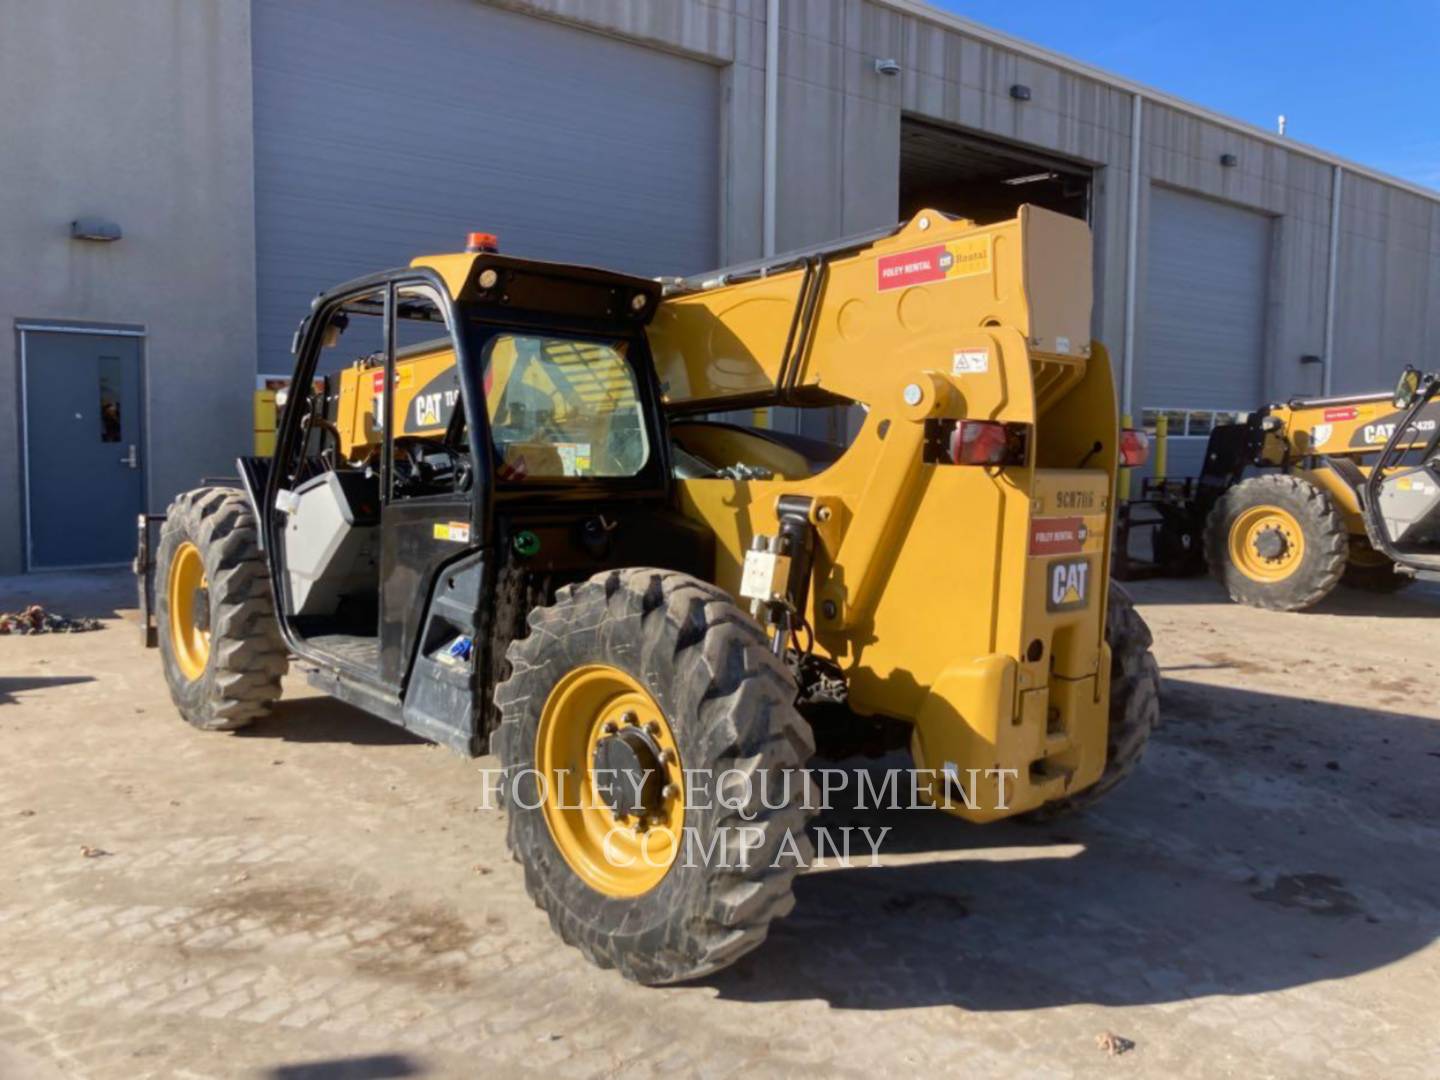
563 408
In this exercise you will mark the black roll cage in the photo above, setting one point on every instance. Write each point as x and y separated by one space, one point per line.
307 355
1392 454
470 323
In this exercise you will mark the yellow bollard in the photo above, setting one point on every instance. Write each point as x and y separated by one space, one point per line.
1122 482
265 416
1162 445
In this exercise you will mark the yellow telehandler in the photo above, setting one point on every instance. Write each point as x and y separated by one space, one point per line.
1343 490
517 526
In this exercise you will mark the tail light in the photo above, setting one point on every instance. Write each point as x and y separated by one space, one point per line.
1134 447
975 442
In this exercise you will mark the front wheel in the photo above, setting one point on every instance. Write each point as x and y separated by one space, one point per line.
654 762
219 642
1276 542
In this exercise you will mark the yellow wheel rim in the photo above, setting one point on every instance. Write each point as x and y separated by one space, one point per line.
185 590
1266 543
622 851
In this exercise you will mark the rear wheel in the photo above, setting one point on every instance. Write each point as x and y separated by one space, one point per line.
1276 542
219 642
1371 570
654 762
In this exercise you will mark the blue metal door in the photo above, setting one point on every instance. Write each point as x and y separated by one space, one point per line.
84 481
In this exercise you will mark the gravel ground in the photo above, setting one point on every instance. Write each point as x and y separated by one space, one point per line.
324 896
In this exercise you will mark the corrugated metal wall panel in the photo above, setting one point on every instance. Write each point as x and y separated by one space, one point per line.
1207 267
387 130
1207 270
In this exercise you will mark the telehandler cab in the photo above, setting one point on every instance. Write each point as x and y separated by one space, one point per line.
1350 495
509 525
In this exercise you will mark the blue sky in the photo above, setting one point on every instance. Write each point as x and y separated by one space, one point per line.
1361 80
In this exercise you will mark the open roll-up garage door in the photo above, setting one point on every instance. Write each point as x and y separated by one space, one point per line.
1203 347
385 130
983 178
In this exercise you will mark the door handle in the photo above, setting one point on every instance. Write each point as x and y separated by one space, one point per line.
130 458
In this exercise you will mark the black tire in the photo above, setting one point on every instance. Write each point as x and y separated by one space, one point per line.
1134 704
730 705
1326 543
1371 571
247 657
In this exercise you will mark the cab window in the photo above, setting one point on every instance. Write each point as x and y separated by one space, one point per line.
563 408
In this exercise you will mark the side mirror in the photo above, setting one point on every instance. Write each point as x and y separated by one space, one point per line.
1407 388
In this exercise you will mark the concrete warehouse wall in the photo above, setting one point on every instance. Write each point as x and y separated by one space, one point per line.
137 112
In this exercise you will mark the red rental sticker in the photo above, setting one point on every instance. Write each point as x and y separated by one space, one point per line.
1057 535
1347 413
915 267
377 383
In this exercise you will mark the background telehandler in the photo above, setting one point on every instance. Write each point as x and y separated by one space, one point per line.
1349 494
509 525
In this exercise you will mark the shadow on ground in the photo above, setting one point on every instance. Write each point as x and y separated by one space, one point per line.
25 684
1266 843
322 719
1418 600
87 594
372 1067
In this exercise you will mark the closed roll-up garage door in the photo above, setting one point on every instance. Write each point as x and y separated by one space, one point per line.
385 130
1203 347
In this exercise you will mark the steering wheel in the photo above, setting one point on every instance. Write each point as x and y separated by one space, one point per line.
418 462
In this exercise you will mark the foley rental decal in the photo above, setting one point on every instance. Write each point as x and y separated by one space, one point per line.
961 258
1058 535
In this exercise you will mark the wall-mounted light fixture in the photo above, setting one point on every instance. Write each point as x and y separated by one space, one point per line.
1031 178
887 67
1020 92
94 228
1229 160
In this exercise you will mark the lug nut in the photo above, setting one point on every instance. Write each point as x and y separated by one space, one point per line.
669 791
610 727
630 718
667 757
653 728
